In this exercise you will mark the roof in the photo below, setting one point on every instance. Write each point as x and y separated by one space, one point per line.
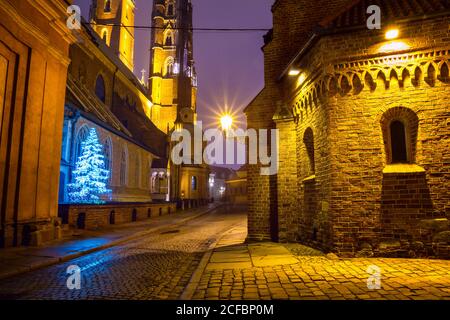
222 172
355 14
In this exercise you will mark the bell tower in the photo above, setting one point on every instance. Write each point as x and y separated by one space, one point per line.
112 20
172 76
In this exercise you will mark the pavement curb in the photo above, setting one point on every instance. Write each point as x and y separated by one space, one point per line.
53 261
191 287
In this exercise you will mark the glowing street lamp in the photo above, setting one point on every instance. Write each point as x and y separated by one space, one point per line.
392 34
226 122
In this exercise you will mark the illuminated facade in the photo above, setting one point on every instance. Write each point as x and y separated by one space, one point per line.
363 122
112 19
172 75
173 91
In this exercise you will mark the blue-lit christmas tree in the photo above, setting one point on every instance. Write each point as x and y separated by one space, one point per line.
90 175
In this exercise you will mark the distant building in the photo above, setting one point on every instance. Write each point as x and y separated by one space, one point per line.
363 124
236 188
173 91
217 182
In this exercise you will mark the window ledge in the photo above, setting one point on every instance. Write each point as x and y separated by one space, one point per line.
310 178
403 168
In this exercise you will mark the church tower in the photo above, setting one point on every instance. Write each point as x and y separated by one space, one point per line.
112 19
172 76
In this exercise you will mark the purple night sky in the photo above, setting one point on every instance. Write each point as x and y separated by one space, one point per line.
229 64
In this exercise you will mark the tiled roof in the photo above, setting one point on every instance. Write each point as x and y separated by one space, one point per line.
355 14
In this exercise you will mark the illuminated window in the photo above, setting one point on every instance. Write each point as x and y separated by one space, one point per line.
107 7
194 183
105 35
83 132
107 152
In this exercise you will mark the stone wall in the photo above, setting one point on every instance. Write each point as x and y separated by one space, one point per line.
92 217
34 45
347 196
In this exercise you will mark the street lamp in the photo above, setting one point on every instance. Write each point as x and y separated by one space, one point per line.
226 122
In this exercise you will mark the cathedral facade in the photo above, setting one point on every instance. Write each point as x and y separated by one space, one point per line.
363 122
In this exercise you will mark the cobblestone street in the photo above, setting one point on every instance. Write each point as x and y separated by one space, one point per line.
161 265
157 266
274 271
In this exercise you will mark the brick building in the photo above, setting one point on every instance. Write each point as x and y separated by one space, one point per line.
363 120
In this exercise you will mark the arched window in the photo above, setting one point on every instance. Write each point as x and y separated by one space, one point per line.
194 183
308 140
400 126
100 88
107 152
105 35
170 9
398 142
123 167
168 66
137 170
82 134
107 7
169 41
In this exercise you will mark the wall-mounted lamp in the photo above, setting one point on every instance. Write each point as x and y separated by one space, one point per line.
392 34
294 72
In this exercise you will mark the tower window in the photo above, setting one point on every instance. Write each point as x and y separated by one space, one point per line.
100 88
398 142
105 35
170 10
107 7
169 41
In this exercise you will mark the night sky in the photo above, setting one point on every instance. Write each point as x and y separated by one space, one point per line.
229 64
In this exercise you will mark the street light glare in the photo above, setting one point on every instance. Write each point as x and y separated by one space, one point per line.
226 121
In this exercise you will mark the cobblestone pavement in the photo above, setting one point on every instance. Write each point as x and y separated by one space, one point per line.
274 271
157 266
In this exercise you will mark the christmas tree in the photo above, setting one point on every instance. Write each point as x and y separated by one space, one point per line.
90 175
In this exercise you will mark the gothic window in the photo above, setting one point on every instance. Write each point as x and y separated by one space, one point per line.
107 7
194 183
83 132
137 171
100 88
170 10
169 64
107 152
123 167
169 41
400 126
105 35
308 140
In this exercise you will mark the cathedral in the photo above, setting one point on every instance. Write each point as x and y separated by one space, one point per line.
134 119
363 121
81 80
